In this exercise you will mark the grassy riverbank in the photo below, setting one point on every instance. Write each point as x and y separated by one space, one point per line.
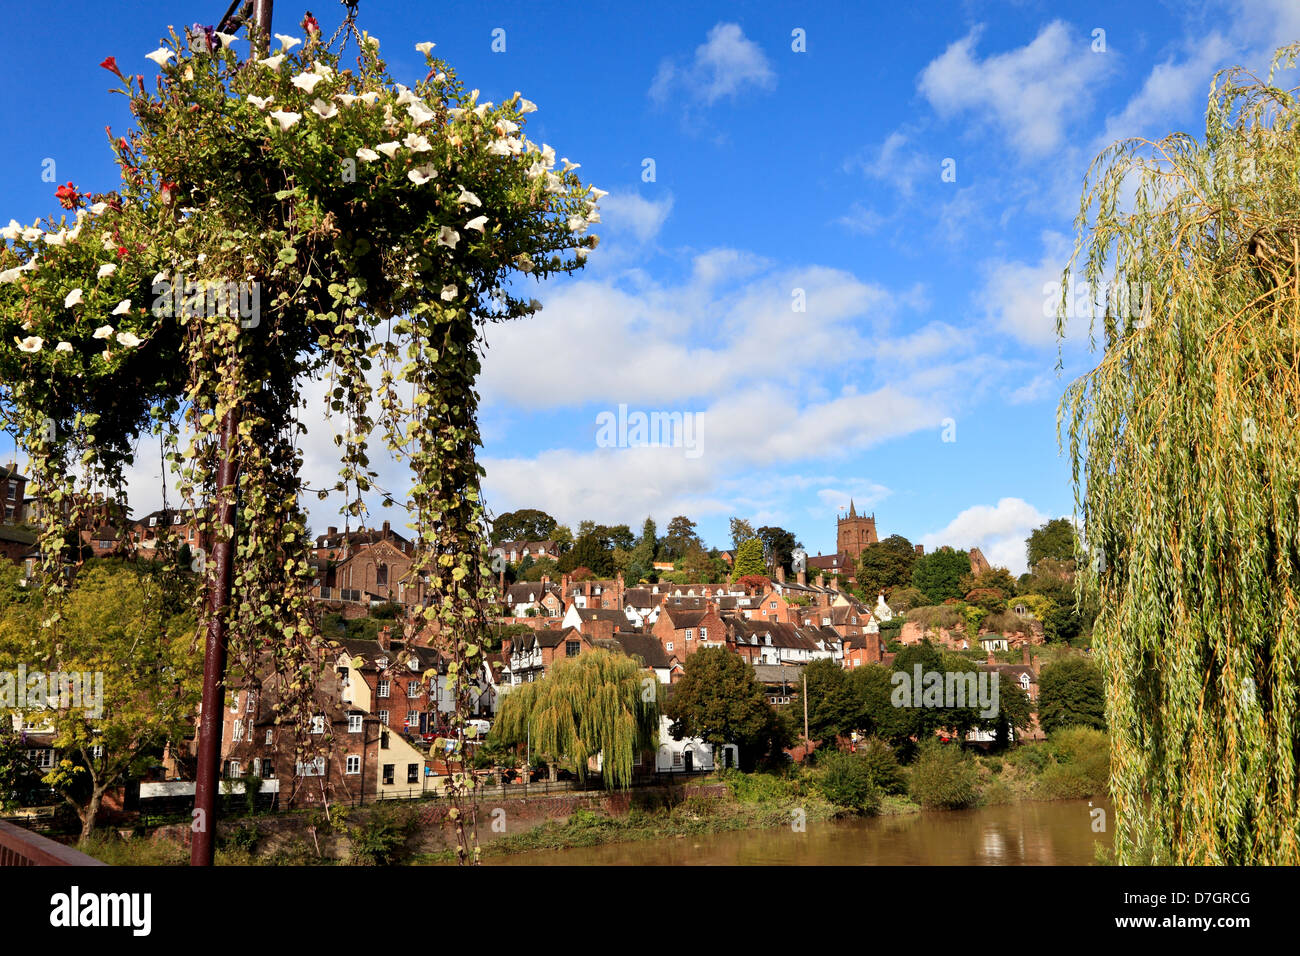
872 781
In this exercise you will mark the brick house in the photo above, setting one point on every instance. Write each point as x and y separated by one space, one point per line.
366 566
13 490
682 632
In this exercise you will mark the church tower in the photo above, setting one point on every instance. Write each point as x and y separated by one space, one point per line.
854 532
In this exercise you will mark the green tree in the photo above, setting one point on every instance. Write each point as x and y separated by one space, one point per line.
833 709
1015 711
778 546
590 552
944 777
596 703
527 524
679 540
116 623
885 564
720 701
563 538
1071 694
749 559
741 531
646 547
1055 540
938 574
1183 439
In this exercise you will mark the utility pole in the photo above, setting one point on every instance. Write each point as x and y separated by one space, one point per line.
805 714
214 654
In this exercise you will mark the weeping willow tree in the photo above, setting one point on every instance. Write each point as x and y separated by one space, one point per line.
597 703
1186 457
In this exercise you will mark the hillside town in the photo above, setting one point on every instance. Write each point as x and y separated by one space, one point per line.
385 697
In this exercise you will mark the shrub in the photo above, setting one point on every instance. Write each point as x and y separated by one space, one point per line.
380 840
882 762
846 781
943 777
1081 767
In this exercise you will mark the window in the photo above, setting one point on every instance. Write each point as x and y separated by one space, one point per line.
572 648
412 773
382 663
42 758
670 645
239 731
354 723
381 574
252 703
268 768
233 770
413 718
383 717
690 634
353 764
413 689
1024 682
318 724
677 759
270 735
383 688
704 633
310 768
388 772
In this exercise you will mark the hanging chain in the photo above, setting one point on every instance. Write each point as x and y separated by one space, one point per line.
349 23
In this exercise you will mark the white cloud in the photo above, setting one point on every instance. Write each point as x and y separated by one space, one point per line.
1018 296
1028 93
727 64
999 531
895 164
633 213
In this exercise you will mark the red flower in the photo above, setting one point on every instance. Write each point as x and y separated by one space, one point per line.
111 65
67 196
168 193
121 251
309 23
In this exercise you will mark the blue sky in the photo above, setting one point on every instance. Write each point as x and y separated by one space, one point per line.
775 171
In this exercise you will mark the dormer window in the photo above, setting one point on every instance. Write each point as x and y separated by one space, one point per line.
382 663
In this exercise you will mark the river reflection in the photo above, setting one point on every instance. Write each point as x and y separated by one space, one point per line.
1058 833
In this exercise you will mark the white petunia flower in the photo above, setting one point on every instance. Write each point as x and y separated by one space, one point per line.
347 99
568 165
368 40
505 127
63 347
272 62
31 234
598 194
288 41
285 119
577 224
448 293
419 113
107 269
440 77
127 339
12 231
324 110
306 81
368 98
499 147
32 343
416 143
56 238
227 39
421 175
72 298
405 96
260 101
104 332
367 155
425 47
9 275
160 55
122 308
389 149
98 208
478 222
527 106
467 198
448 237
160 278
593 216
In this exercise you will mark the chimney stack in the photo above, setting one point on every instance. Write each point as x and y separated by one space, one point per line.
821 579
780 574
332 531
802 578
920 549
546 579
386 529
385 638
1024 653
991 660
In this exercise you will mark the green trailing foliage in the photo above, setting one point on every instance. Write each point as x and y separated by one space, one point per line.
1186 456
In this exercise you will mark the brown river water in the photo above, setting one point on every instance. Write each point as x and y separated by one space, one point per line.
1057 833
